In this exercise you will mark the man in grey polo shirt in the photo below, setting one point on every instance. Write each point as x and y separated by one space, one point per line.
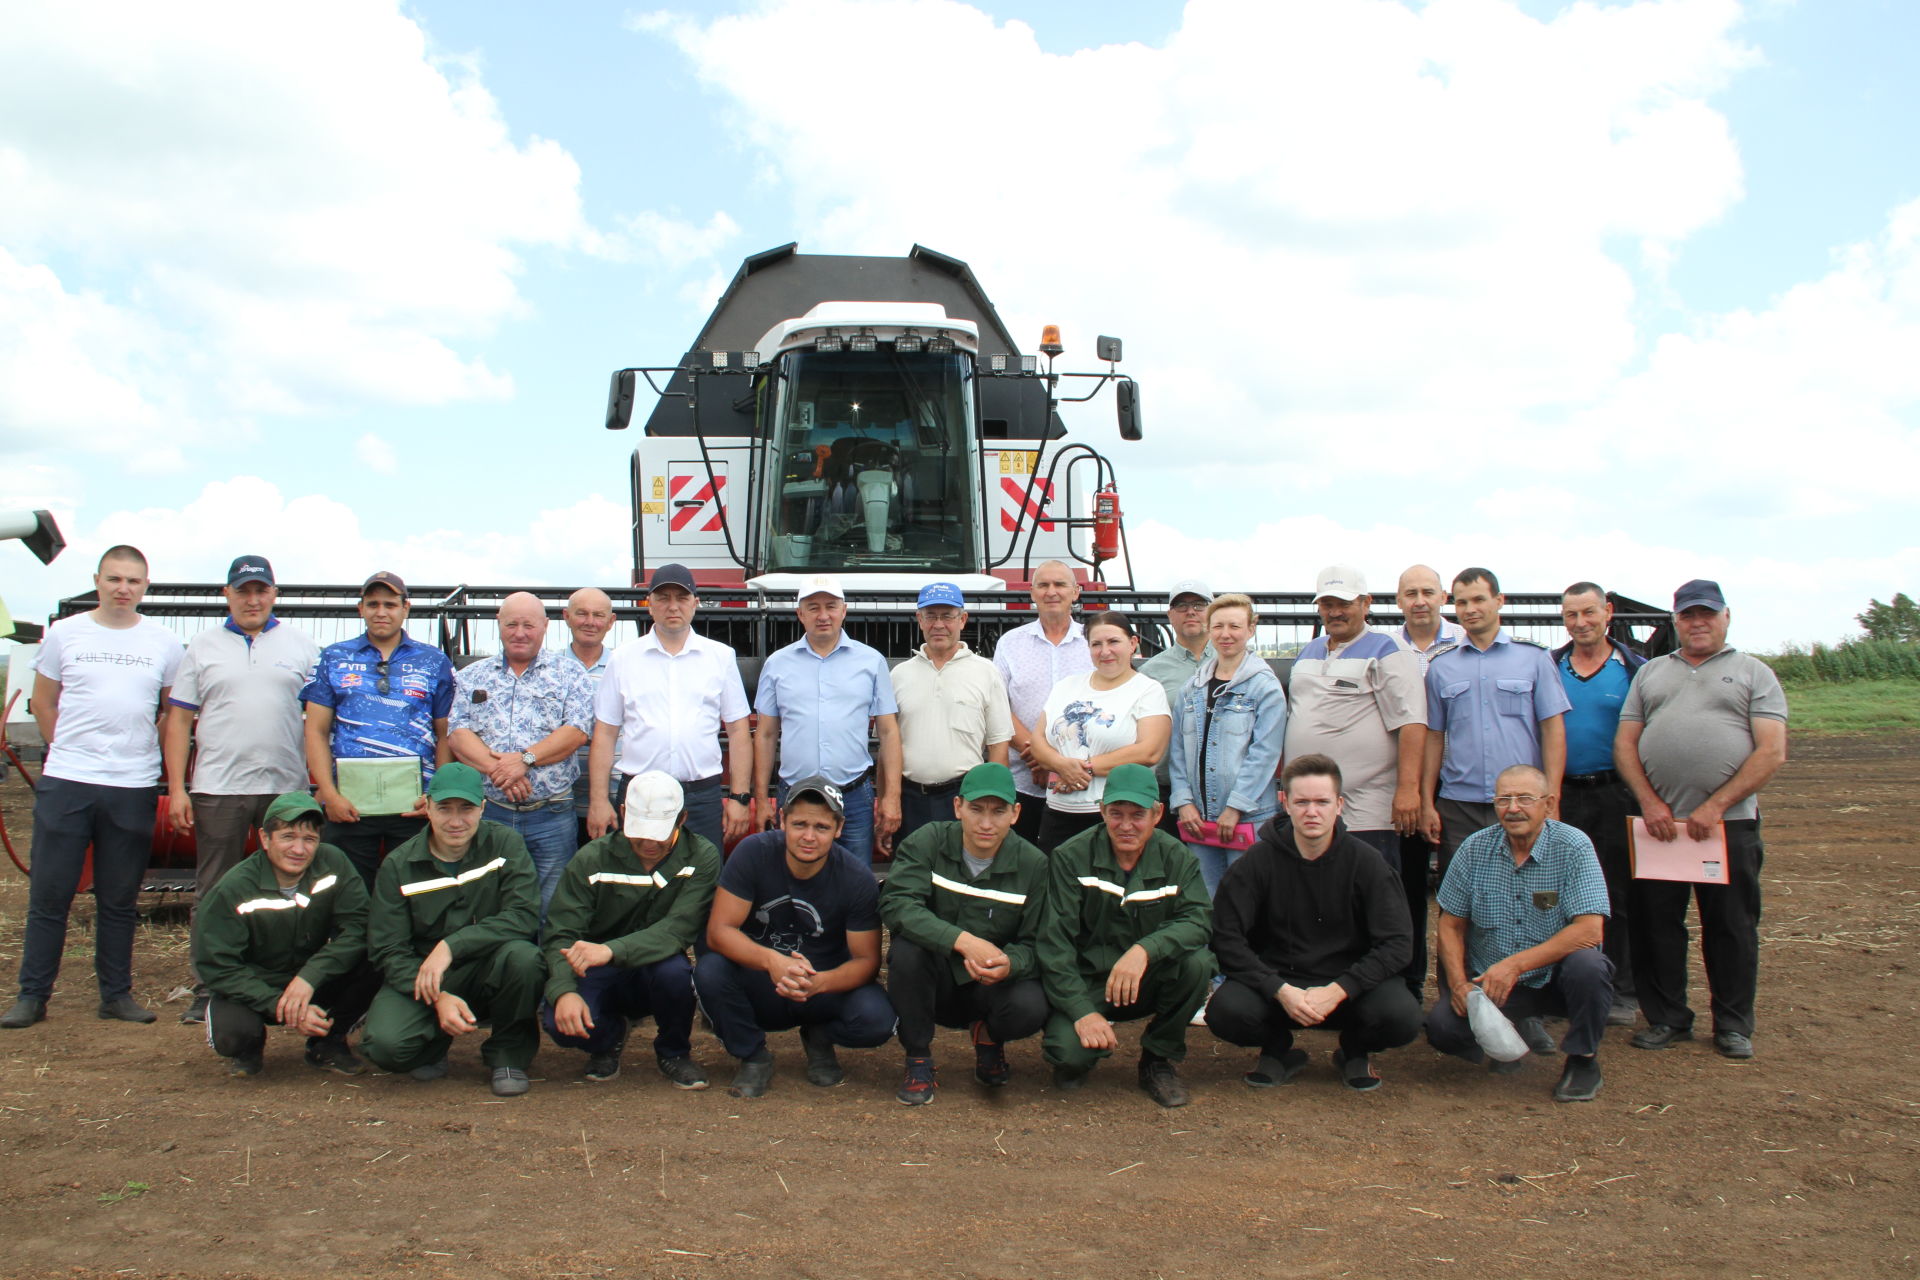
1703 729
1176 664
235 710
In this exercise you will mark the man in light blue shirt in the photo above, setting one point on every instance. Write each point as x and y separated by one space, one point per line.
815 700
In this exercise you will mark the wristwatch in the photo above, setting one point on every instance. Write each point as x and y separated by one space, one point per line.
527 758
741 797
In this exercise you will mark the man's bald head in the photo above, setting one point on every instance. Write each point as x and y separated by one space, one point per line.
1520 778
1419 575
1421 597
523 627
589 616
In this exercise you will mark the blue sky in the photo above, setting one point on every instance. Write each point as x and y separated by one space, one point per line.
1623 291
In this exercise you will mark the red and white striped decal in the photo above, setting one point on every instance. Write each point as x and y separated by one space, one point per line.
1016 505
710 494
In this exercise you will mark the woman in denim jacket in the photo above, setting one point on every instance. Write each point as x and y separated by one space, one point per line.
1229 725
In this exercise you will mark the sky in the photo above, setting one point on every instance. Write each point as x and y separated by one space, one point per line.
1621 291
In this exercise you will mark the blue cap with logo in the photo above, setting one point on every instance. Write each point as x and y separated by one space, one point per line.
249 569
939 593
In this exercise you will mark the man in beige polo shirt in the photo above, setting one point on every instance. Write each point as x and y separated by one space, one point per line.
953 711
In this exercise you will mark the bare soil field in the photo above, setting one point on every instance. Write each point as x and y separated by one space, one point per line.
125 1150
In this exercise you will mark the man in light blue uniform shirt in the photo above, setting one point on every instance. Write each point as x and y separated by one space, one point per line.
1493 701
815 700
589 618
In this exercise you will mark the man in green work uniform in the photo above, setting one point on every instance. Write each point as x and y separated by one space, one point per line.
451 930
963 902
625 911
282 940
1124 937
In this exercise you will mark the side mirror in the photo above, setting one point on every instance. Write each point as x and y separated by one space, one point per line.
620 400
1105 348
1126 399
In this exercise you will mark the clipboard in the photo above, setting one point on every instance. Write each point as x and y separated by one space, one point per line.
1681 858
379 785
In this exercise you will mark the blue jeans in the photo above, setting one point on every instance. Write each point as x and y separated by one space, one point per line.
548 832
744 1007
1213 863
67 817
858 834
613 995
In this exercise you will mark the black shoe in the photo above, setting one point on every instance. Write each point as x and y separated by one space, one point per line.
1661 1036
918 1088
510 1082
125 1009
1162 1082
1623 1012
429 1071
1500 1068
684 1072
196 1010
330 1053
1356 1069
245 1064
602 1067
1731 1044
753 1077
1067 1079
823 1064
1271 1070
24 1012
1580 1081
1534 1032
990 1065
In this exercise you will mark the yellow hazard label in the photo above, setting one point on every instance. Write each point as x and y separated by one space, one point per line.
1015 462
659 488
653 508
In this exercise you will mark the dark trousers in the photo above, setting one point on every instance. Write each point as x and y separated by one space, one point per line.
369 840
67 817
236 1030
1600 810
220 827
744 1007
502 986
1170 994
925 994
702 801
614 995
1384 1018
1033 810
1058 826
1729 938
1581 990
918 808
1415 857
1458 820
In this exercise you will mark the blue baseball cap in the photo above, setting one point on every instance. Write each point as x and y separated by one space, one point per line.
941 593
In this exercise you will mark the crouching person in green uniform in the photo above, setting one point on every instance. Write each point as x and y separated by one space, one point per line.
1124 937
282 941
451 930
625 911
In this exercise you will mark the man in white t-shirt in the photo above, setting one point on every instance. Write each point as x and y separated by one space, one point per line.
236 709
1031 659
99 683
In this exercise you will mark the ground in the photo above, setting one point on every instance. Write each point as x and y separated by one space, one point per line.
127 1151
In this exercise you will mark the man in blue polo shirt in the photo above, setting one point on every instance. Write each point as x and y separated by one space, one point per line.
815 700
1522 909
381 696
1596 671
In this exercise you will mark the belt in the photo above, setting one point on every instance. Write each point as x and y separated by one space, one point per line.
1599 779
932 788
533 806
702 784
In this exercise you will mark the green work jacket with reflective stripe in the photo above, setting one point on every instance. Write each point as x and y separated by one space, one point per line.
489 897
643 916
930 898
1095 911
250 940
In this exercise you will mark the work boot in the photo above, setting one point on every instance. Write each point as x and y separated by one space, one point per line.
1661 1036
330 1053
125 1009
684 1072
753 1077
1731 1044
919 1086
990 1065
24 1012
1161 1080
823 1064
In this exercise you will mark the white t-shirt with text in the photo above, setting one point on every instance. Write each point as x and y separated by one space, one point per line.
110 681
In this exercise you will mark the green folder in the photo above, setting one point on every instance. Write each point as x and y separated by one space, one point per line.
380 785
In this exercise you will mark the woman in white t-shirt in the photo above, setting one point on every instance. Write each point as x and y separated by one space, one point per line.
1094 721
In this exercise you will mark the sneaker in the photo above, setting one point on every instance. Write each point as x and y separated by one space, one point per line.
753 1077
823 1064
917 1089
1273 1070
429 1071
990 1065
510 1082
1534 1032
124 1009
1731 1044
24 1012
684 1072
1356 1069
1661 1036
245 1064
605 1066
1067 1079
1161 1080
330 1053
1580 1081
196 1010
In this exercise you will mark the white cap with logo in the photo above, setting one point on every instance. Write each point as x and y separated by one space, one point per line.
653 804
820 584
1341 581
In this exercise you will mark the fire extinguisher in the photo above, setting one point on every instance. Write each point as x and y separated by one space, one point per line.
1106 524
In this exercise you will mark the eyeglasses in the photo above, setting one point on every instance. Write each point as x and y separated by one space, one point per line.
380 669
1189 606
1516 802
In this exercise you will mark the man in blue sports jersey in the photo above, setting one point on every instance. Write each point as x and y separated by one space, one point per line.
383 695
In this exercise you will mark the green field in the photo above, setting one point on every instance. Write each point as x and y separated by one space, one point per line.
1864 706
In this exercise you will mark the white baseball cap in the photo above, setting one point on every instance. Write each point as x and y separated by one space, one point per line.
654 801
1341 581
821 584
1189 587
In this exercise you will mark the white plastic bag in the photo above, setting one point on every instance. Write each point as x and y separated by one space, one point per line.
1491 1028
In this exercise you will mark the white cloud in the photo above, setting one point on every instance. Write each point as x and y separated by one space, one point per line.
376 454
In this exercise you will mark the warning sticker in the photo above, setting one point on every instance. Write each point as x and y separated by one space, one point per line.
1015 462
659 488
653 508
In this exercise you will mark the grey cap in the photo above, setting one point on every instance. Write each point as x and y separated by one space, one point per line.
1189 587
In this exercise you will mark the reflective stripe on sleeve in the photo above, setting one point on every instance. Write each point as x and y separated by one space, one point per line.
654 881
995 895
451 882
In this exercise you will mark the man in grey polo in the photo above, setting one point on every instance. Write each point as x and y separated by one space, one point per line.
235 712
1176 664
1703 729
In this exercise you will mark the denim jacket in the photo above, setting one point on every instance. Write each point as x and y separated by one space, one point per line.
1243 743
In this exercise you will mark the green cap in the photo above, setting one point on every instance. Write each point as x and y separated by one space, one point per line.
1132 782
290 806
989 779
457 781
